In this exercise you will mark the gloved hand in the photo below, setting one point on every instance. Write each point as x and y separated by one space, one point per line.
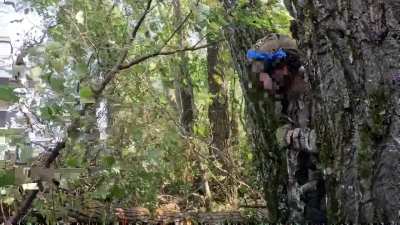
302 139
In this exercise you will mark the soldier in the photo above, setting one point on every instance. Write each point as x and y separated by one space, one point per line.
279 71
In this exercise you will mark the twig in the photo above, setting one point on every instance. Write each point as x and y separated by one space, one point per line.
140 22
109 76
178 28
161 53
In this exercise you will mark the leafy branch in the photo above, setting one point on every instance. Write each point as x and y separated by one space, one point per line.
110 75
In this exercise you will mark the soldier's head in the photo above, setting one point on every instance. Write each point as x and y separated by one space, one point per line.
275 63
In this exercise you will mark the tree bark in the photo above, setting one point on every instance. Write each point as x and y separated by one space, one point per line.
186 110
183 81
260 117
218 114
352 53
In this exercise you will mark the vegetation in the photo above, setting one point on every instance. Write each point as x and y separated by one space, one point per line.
132 98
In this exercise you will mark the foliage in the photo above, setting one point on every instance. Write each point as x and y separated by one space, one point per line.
128 142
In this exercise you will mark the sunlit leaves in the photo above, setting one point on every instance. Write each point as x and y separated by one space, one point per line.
201 130
145 151
73 162
86 94
36 73
271 16
79 17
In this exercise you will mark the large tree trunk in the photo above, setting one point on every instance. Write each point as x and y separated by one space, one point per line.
352 52
261 121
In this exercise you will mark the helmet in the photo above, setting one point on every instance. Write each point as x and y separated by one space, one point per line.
268 47
273 42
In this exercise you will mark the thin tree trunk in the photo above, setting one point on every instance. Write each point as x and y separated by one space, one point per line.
183 81
90 135
186 110
352 49
218 114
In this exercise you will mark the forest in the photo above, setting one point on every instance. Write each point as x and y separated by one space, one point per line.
208 112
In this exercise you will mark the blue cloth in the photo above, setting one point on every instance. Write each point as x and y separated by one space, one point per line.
266 56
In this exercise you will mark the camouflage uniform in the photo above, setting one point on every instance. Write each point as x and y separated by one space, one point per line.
305 184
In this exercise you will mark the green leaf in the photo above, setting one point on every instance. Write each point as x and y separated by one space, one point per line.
7 177
50 112
58 65
81 70
218 79
201 130
7 93
117 192
108 161
72 162
57 84
86 94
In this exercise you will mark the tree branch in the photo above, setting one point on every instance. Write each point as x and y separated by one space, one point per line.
23 210
160 53
120 66
31 196
108 78
178 28
140 22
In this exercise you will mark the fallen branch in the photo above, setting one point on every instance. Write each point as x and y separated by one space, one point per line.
26 205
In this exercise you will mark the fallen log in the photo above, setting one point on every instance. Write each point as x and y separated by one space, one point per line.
138 215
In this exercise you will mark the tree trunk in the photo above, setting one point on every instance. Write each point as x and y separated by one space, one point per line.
183 82
261 120
186 110
90 135
218 114
352 52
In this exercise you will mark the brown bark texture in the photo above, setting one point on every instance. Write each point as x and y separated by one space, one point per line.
183 81
260 117
352 64
218 114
